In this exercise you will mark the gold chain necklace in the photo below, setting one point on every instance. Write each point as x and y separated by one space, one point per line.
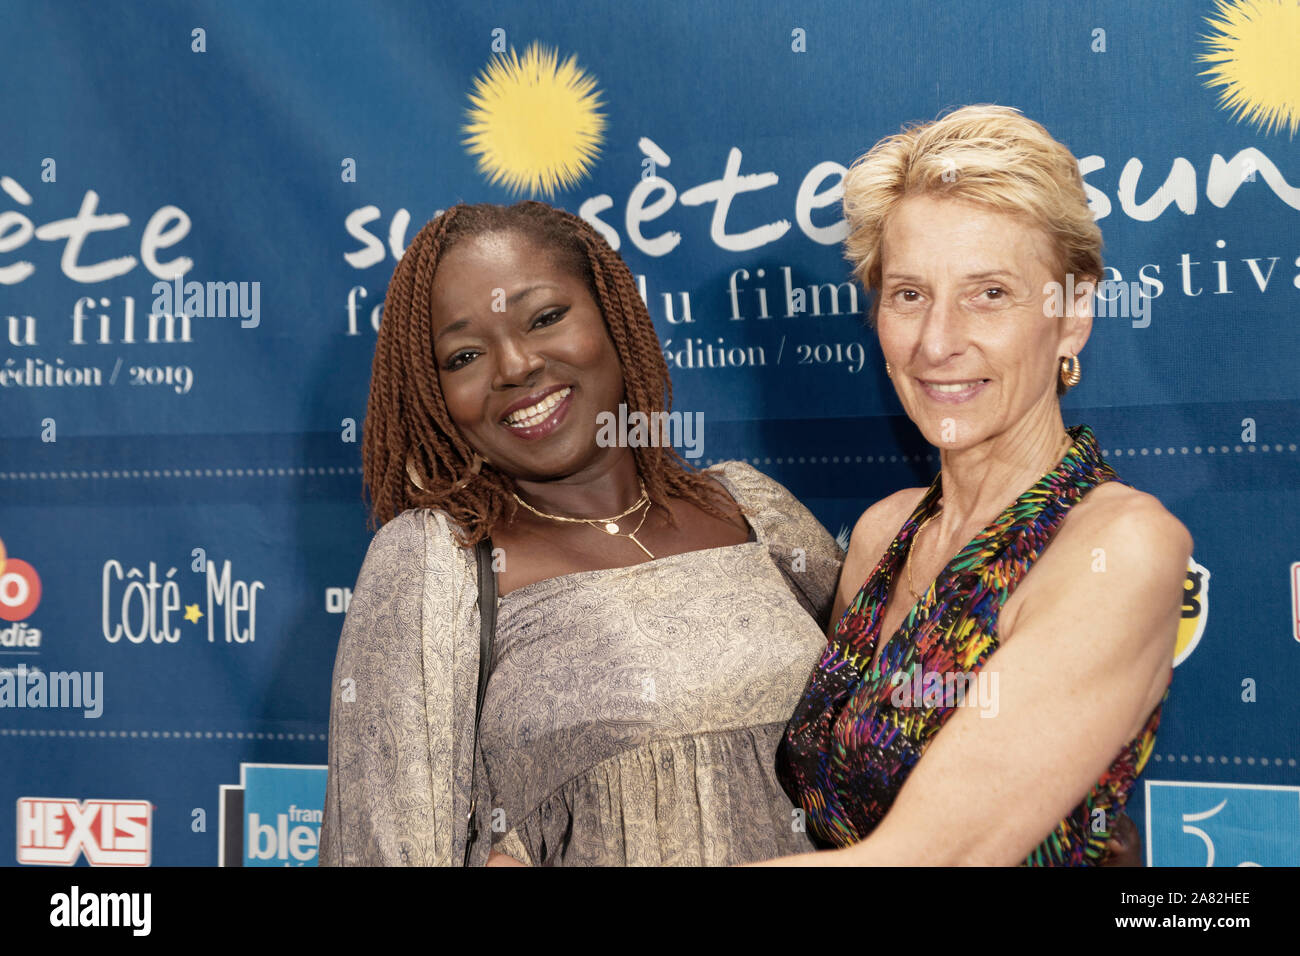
608 525
907 564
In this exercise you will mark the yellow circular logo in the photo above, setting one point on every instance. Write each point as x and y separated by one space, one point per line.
1196 607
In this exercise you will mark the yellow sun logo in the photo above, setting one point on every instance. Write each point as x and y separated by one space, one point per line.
535 125
1255 53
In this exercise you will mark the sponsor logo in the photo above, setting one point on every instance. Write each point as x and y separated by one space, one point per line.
273 816
1196 608
54 832
1222 824
145 604
20 594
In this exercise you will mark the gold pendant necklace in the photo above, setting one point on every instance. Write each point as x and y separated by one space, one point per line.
608 525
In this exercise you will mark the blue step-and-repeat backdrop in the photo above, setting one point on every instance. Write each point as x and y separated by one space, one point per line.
180 486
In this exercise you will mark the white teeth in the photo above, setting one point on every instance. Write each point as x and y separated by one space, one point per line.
536 414
952 387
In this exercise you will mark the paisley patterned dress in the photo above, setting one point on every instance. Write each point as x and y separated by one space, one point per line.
633 714
859 731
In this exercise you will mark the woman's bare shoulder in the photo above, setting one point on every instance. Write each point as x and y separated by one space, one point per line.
1117 547
1130 522
876 528
886 516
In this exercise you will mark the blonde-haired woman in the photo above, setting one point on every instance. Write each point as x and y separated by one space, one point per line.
967 711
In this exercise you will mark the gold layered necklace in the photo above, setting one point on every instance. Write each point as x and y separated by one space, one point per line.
608 525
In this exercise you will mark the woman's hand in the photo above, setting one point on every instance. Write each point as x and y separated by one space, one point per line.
500 859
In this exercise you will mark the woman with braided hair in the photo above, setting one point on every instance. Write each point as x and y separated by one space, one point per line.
655 623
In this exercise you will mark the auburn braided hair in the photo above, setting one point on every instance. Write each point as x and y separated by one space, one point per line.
408 434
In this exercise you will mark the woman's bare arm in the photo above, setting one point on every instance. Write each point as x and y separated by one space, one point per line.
1089 659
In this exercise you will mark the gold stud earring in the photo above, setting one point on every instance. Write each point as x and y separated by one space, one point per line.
888 371
1070 371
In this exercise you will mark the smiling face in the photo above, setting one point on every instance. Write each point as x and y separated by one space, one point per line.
523 385
962 321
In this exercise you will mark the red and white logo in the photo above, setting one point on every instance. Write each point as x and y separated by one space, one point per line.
20 587
54 832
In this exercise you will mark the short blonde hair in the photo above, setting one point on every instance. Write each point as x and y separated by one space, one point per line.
994 156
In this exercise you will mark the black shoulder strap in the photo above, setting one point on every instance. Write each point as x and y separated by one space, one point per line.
487 609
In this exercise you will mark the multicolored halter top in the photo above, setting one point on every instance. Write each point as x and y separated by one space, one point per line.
849 747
